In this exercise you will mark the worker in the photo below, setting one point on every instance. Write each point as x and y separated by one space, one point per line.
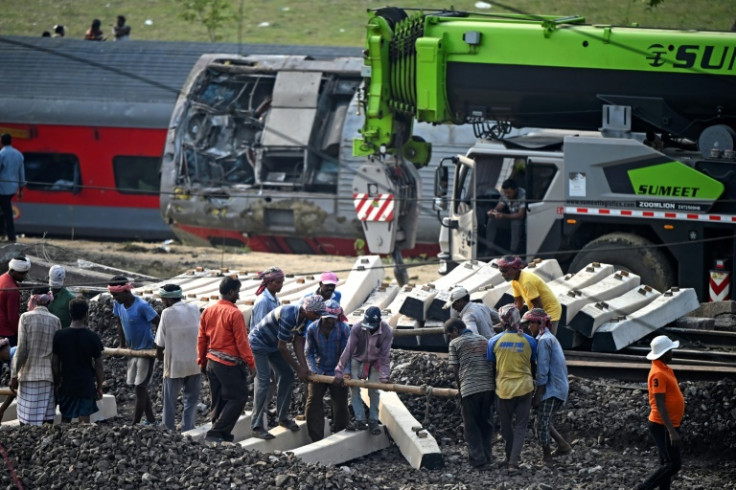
667 409
550 380
477 317
529 288
509 214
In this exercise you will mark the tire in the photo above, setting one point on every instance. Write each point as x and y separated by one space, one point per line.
628 252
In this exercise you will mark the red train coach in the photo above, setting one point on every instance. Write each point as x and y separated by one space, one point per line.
91 121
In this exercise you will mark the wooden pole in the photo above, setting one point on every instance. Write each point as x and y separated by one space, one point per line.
407 332
129 352
409 389
4 390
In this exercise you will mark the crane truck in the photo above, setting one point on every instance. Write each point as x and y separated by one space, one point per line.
633 163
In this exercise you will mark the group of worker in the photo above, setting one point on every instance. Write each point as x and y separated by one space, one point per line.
279 343
58 360
524 366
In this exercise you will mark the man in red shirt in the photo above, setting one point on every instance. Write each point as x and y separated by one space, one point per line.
224 355
668 407
10 298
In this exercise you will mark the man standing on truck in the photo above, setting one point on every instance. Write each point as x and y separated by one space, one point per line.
509 214
529 288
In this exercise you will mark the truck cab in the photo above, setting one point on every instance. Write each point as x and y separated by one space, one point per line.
477 189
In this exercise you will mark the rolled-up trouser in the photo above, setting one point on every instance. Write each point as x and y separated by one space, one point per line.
356 368
229 388
284 374
513 414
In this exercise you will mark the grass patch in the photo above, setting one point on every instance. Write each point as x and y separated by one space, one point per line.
327 22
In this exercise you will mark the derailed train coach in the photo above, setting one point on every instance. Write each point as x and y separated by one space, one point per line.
259 154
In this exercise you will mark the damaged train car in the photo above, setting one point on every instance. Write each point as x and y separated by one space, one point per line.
259 154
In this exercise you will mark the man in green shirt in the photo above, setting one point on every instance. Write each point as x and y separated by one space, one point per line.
62 296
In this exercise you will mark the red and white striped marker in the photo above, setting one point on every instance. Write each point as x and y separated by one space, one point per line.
719 285
377 208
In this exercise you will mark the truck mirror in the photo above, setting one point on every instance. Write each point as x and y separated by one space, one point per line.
439 204
441 180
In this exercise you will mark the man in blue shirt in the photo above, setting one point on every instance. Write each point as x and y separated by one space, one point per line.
135 319
272 280
12 181
551 382
328 281
268 341
326 339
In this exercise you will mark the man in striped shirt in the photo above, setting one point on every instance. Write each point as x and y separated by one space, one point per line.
474 377
269 341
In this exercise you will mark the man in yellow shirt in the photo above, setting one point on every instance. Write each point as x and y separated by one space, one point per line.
529 288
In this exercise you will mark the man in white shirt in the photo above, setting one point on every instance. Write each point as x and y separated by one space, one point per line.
478 318
176 346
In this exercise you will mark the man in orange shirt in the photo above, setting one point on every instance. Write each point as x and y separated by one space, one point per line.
668 407
224 355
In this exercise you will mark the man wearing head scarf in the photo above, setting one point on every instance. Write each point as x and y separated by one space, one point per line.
269 340
135 319
550 380
18 268
224 353
367 356
326 340
513 353
32 372
62 296
529 288
667 410
272 280
176 346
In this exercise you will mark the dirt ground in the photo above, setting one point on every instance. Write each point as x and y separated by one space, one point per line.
167 260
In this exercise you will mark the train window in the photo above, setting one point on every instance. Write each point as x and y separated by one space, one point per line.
137 175
52 171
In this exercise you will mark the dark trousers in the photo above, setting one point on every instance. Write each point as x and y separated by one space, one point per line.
513 414
7 226
477 411
669 458
315 410
229 389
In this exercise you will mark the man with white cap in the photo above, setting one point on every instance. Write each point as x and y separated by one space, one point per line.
668 408
367 356
477 317
326 339
62 296
18 268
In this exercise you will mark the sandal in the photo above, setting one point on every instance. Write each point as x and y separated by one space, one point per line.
290 424
360 425
375 429
262 433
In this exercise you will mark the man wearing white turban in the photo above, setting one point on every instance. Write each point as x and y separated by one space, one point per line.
62 296
18 268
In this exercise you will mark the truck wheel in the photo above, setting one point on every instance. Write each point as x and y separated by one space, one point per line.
628 252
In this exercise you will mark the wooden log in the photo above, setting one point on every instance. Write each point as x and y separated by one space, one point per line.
6 391
409 389
117 351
